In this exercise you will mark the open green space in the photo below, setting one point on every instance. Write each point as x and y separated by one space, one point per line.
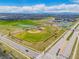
35 37
32 33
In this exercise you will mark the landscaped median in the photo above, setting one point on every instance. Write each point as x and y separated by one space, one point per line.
72 31
77 52
70 35
73 49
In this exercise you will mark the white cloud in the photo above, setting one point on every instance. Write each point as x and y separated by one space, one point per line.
40 8
76 1
35 8
64 8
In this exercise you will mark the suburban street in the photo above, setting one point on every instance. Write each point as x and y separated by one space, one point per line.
63 48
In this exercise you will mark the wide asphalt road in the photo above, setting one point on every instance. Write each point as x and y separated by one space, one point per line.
65 54
25 51
63 48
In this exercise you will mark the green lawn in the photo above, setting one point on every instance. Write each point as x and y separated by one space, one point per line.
33 37
16 22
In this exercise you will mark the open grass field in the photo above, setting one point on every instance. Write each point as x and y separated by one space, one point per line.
36 34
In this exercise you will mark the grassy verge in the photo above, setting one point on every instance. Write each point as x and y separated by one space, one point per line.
76 26
70 36
77 52
70 57
72 33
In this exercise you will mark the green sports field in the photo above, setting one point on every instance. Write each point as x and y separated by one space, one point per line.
36 34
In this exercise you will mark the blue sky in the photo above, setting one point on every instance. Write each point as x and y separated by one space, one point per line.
38 6
34 2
